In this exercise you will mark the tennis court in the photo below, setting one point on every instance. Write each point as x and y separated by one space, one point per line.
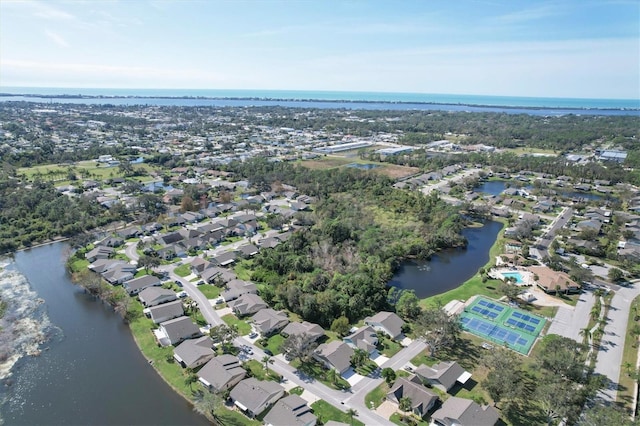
502 324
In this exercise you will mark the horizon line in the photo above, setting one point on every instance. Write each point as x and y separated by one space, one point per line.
2 87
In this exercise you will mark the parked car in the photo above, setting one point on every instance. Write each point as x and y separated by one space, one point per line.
268 352
178 283
253 335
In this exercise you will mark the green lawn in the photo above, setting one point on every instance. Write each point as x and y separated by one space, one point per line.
388 347
325 412
243 327
209 291
141 273
172 372
183 270
257 370
397 419
78 265
274 344
243 269
374 398
298 390
368 368
318 372
629 356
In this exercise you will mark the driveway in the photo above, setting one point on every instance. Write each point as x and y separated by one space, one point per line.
610 352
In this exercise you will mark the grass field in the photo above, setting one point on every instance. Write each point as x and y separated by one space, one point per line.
629 358
376 396
243 327
325 412
209 291
83 170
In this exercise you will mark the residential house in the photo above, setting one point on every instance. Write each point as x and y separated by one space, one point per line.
99 252
291 410
166 311
248 250
443 375
188 234
336 355
553 281
312 331
217 275
114 271
592 224
268 321
179 329
136 285
152 296
422 400
112 242
129 233
364 338
387 322
224 259
236 288
171 238
221 373
464 412
198 265
193 353
247 304
166 253
253 396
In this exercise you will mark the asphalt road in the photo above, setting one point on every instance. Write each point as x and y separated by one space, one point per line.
332 396
609 360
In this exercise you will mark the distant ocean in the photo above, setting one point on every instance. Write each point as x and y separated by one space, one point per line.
328 99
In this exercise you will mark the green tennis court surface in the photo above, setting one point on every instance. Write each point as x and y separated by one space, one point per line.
502 324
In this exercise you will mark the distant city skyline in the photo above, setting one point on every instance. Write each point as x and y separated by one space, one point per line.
576 49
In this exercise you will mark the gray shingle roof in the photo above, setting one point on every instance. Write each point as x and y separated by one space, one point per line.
222 370
290 411
465 412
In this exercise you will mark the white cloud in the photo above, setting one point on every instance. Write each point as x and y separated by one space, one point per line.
38 9
56 38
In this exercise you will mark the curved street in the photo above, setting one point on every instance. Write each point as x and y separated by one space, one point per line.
339 399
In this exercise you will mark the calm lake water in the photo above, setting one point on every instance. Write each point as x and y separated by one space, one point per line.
449 269
91 372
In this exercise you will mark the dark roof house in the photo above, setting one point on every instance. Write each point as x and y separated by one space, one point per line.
291 410
421 399
464 412
253 396
136 285
221 373
387 322
152 296
193 353
443 375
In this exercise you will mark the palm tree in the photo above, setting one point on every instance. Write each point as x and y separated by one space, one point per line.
585 333
405 403
267 360
351 413
190 379
332 376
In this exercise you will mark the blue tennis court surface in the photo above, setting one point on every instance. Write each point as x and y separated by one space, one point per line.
502 324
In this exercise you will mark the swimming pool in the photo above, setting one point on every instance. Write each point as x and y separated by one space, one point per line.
515 275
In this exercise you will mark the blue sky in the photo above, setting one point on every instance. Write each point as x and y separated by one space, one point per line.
586 49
